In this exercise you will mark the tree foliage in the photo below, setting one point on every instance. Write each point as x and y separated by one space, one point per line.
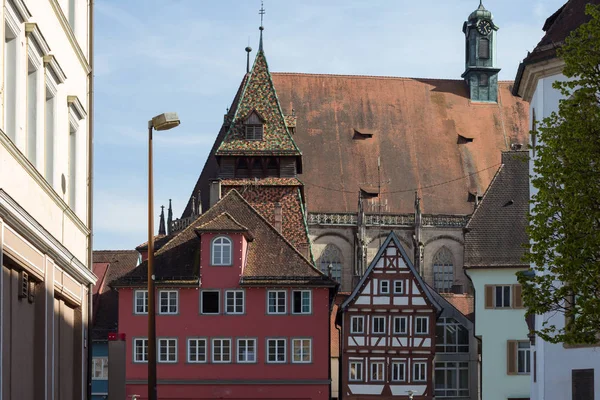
564 225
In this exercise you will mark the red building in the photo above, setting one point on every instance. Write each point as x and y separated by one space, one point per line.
242 313
388 330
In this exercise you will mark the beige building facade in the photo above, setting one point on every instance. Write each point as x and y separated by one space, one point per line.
45 198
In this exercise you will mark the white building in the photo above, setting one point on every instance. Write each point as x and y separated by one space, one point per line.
494 241
560 372
45 198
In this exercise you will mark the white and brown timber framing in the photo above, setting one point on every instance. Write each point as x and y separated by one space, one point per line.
405 346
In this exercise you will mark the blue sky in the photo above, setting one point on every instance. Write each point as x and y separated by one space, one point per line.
187 56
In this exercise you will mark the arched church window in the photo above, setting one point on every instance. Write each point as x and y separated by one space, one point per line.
484 48
443 270
254 126
332 257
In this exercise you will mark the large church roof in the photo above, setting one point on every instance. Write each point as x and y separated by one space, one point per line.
426 132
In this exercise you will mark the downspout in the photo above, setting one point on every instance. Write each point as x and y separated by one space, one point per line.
90 216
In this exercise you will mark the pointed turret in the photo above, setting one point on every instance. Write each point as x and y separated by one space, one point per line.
161 224
169 218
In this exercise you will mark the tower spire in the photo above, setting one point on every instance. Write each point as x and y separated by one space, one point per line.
161 225
169 218
261 28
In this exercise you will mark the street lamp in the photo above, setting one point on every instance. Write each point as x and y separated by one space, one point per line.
161 122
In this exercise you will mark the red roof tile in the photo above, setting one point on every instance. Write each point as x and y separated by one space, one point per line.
465 303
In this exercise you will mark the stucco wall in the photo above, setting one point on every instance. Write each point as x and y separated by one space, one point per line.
495 327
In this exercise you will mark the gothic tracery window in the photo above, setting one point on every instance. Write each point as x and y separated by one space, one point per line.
332 256
443 270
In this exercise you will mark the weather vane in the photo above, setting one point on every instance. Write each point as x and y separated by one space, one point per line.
261 12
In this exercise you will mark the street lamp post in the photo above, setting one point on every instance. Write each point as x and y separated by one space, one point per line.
161 122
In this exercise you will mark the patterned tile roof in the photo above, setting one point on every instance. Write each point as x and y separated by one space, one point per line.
496 233
272 260
223 223
259 95
261 182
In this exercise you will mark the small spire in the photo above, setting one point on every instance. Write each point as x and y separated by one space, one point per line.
199 203
261 28
248 50
161 224
169 218
193 205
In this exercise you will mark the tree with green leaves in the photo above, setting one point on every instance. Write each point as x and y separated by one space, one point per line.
564 225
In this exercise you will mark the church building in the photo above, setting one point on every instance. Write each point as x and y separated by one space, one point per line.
367 144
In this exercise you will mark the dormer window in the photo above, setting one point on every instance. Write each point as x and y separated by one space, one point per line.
221 251
254 126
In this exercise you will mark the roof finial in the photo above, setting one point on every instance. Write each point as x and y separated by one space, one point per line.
261 28
248 50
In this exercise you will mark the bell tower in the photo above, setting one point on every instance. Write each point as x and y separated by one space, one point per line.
481 72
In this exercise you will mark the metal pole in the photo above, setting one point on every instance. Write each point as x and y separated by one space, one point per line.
152 393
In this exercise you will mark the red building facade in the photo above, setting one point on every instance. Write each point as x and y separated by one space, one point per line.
242 312
388 331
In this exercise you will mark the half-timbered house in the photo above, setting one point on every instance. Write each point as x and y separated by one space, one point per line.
388 330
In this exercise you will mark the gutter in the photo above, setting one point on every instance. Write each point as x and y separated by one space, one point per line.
90 216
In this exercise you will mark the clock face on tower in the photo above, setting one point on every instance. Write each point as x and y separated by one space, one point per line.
484 27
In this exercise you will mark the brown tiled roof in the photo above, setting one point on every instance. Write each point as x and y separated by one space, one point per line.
335 334
557 28
114 263
417 124
271 259
223 223
159 241
496 235
259 95
465 303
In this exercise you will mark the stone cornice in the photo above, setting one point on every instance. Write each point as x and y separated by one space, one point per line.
532 73
52 65
71 36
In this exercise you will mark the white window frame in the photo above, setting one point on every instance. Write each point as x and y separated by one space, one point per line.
525 354
418 368
400 332
224 243
360 318
169 301
235 294
169 343
419 329
395 371
49 128
276 310
399 283
302 301
220 352
202 301
355 371
503 296
76 114
384 284
374 324
242 357
443 345
101 362
144 299
197 354
34 102
377 367
144 346
11 113
277 343
301 342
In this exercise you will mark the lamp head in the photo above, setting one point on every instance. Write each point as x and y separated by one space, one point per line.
164 121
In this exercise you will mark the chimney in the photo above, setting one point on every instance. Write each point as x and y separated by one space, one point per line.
278 217
215 192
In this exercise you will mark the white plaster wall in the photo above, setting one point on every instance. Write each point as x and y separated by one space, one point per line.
495 327
554 361
24 186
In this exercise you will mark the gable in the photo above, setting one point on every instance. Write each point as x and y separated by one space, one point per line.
391 265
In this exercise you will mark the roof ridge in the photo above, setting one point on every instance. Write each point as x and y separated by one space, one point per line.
362 76
226 215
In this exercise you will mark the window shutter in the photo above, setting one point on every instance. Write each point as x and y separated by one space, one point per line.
582 384
489 296
535 366
517 296
511 357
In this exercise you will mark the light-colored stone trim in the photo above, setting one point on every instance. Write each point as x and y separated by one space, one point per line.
534 72
22 252
75 104
54 69
71 36
33 32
